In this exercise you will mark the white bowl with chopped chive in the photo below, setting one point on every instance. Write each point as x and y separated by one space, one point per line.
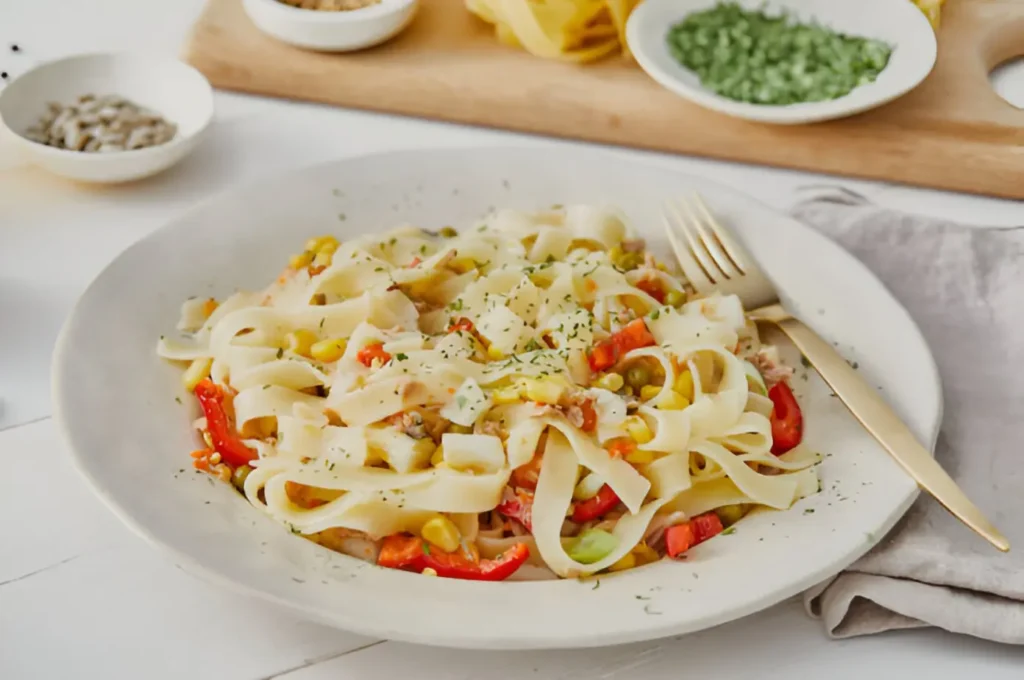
784 61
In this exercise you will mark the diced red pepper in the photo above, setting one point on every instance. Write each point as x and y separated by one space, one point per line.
682 537
621 447
401 551
415 261
520 509
596 506
526 476
462 324
606 353
603 356
634 336
787 420
653 288
226 441
373 351
589 415
398 551
706 526
678 539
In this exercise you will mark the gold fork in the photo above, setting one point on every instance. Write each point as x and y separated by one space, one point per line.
714 261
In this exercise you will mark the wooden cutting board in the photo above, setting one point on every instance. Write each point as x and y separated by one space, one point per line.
952 132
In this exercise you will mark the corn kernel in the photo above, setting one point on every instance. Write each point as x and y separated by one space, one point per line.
437 459
506 395
317 243
322 259
645 554
441 532
648 392
639 430
209 307
627 561
301 260
208 438
328 350
329 245
610 381
300 341
546 391
429 572
495 354
198 370
673 401
684 384
640 457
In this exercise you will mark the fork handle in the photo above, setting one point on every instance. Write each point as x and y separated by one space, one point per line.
886 427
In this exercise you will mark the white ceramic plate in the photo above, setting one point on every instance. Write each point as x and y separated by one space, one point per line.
116 404
897 22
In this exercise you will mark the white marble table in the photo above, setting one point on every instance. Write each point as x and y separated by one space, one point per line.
82 597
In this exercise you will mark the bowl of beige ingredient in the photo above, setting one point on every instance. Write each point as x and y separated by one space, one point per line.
107 117
331 25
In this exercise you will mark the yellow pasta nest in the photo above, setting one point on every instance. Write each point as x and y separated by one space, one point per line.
577 31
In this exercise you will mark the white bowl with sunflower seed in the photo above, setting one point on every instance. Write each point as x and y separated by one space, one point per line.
107 118
331 25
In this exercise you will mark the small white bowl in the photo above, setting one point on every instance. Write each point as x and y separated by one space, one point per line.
334 31
896 22
176 91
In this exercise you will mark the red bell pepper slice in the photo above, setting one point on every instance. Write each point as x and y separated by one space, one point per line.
596 506
682 537
366 355
520 509
606 353
401 551
787 420
226 441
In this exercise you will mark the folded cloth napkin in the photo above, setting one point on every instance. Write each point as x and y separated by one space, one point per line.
965 289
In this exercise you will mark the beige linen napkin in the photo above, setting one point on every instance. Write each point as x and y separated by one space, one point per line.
965 289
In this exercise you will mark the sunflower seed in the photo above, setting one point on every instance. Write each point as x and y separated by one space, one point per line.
105 124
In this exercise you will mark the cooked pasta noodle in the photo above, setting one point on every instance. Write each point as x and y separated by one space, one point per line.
537 389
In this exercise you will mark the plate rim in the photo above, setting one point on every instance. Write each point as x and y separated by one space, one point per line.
193 565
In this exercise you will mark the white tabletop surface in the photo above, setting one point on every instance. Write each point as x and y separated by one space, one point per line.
82 597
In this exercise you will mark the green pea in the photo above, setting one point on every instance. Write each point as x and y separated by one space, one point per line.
630 261
674 298
730 514
637 376
448 232
239 475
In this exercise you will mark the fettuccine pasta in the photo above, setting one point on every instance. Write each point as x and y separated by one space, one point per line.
534 396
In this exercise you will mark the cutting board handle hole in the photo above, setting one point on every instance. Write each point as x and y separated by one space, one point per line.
1002 53
1007 79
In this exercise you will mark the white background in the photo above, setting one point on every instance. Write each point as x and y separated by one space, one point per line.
82 597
